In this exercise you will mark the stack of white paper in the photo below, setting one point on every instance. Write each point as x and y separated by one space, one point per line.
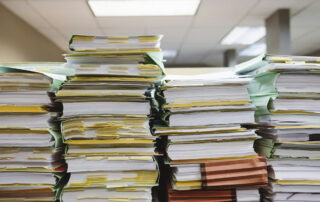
207 146
107 116
82 43
31 157
286 91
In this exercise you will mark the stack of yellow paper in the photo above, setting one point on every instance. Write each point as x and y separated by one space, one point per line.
106 118
31 161
207 148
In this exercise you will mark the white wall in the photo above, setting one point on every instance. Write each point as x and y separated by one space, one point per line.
20 42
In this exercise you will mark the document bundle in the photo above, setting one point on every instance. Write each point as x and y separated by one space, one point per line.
207 148
107 117
32 167
286 91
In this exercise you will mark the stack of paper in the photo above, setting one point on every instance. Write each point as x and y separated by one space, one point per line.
207 147
106 118
31 162
80 43
286 91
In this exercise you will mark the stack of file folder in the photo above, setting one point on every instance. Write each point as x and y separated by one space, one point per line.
107 116
286 91
32 167
207 146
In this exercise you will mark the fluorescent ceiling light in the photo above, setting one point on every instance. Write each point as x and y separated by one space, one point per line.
103 8
244 35
254 50
169 53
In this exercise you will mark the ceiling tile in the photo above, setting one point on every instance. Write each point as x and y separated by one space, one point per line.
205 37
65 13
299 31
128 22
263 9
307 16
169 21
22 9
252 20
309 43
227 13
121 22
173 37
123 31
306 19
266 7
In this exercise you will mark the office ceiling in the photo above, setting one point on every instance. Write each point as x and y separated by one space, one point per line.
196 38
